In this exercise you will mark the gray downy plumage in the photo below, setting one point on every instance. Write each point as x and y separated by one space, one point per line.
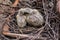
31 16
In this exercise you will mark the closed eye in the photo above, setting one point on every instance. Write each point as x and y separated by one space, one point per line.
25 13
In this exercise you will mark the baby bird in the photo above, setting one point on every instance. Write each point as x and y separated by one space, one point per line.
21 19
30 16
35 19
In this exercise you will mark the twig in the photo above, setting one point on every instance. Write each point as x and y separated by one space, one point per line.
17 35
15 3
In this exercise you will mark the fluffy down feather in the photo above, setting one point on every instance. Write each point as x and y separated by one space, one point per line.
30 16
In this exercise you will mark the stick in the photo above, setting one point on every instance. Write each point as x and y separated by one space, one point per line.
17 35
15 3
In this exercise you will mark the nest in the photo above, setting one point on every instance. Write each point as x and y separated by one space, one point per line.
49 30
